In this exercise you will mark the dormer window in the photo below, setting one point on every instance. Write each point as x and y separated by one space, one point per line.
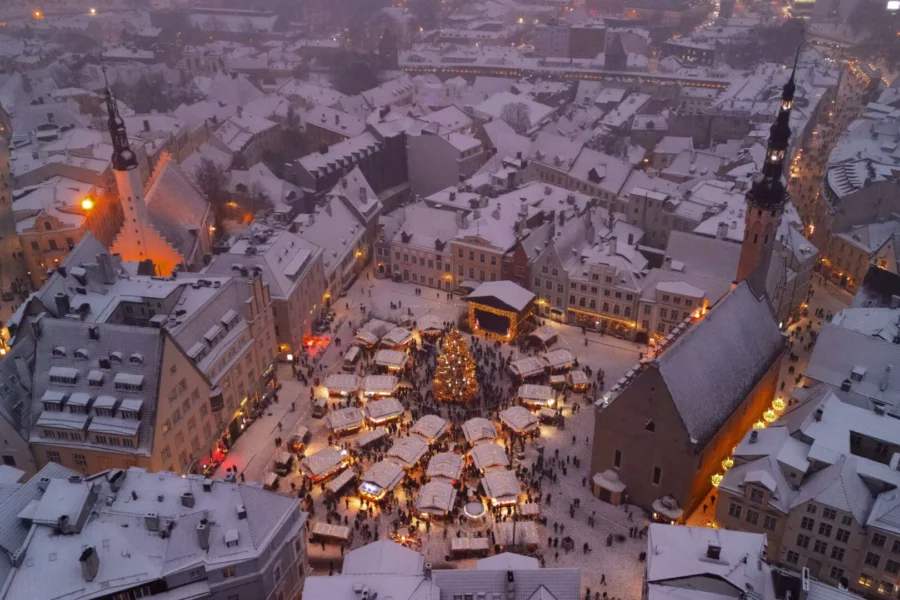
63 375
229 320
858 373
59 351
115 357
81 354
129 382
136 359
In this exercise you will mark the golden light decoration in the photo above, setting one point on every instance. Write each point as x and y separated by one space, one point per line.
87 203
716 479
759 425
778 404
727 463
454 377
769 416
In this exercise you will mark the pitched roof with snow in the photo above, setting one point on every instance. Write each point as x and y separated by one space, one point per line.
177 209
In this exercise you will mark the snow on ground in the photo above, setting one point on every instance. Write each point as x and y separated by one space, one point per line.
253 452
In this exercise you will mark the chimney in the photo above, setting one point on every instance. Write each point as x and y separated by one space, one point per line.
203 534
428 570
721 230
323 148
631 239
207 485
187 500
241 512
107 270
754 435
337 119
90 563
895 301
62 304
846 385
146 125
819 413
363 194
116 478
240 111
713 552
151 520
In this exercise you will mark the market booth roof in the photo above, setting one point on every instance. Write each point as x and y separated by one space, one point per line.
342 383
408 451
436 497
380 385
479 428
430 427
536 394
322 462
501 486
385 474
486 456
446 464
519 419
383 410
392 359
346 419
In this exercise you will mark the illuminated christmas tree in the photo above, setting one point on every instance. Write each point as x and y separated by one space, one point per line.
454 378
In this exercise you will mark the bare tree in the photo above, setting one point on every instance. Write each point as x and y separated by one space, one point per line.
517 115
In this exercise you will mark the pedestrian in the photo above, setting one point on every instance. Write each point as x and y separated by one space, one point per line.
603 580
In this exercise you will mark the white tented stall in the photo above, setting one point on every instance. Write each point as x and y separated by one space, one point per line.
479 429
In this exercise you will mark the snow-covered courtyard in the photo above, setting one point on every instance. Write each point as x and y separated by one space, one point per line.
572 504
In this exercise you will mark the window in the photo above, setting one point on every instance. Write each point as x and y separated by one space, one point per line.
80 461
650 426
617 459
846 520
842 535
9 461
825 529
646 309
892 567
792 557
811 509
756 495
819 547
837 553
734 510
657 475
896 546
803 541
829 513
53 456
807 524
878 540
872 559
770 522
837 573
865 580
752 517
35 247
885 587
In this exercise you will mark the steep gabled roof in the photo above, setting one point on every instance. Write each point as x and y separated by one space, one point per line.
712 367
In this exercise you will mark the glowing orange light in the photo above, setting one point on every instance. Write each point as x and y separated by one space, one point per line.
87 203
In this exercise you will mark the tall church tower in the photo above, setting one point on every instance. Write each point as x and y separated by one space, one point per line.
766 198
132 236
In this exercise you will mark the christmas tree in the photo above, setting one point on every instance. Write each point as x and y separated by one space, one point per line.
454 378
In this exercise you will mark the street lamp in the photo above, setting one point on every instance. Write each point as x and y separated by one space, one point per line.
87 203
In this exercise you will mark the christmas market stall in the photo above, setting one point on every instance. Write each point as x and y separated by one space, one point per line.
448 465
470 546
379 385
369 334
521 535
381 478
537 396
340 482
324 463
546 334
487 456
384 410
519 420
608 487
321 531
391 360
530 510
436 498
370 437
365 339
559 360
578 380
408 451
557 382
346 420
479 429
528 367
455 380
342 384
501 486
430 326
430 427
499 310
397 338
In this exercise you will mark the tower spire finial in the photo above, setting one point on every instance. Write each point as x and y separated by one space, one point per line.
123 158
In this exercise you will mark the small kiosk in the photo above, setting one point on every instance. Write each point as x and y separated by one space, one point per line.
488 456
447 465
537 396
383 411
408 451
479 429
430 427
391 361
397 338
379 385
528 367
346 420
498 310
501 486
559 360
381 478
519 420
436 499
324 463
342 384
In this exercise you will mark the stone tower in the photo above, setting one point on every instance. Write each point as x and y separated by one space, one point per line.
766 198
12 263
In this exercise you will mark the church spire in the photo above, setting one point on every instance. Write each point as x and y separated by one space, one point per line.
768 190
123 158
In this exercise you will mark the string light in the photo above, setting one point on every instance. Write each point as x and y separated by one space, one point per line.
454 378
